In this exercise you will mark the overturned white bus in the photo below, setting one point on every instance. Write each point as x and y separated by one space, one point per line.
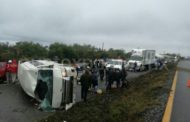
50 83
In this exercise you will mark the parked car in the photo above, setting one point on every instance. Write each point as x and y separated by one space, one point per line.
115 63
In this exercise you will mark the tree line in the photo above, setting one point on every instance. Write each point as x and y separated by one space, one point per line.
56 51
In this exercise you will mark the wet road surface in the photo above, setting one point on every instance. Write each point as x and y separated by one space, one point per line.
181 105
16 106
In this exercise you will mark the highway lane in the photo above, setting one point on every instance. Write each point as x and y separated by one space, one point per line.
181 103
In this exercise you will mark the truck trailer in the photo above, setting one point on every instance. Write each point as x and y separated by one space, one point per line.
141 59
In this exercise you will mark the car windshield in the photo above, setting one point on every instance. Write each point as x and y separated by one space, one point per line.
136 58
115 62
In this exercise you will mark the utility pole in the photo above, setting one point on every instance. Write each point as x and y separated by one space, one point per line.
103 46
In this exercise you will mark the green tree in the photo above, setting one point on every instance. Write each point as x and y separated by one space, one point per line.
30 50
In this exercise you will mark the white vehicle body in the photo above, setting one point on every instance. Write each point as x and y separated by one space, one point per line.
115 63
159 56
58 78
142 57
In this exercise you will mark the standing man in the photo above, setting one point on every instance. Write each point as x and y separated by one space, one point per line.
117 77
85 84
160 65
135 66
13 70
107 76
8 72
101 72
110 78
94 80
123 78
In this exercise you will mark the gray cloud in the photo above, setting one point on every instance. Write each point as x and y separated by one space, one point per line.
160 24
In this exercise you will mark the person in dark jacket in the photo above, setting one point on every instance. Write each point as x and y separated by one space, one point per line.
85 84
123 77
135 66
97 63
107 76
94 80
110 78
101 72
117 77
94 68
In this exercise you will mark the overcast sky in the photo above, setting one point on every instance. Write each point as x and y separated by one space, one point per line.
163 25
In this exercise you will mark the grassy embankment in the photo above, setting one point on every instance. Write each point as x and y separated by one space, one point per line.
133 104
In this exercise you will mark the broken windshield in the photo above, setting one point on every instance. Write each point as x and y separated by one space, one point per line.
44 88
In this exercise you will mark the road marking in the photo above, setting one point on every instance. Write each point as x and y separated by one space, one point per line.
169 106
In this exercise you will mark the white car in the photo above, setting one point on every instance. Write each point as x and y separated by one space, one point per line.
115 63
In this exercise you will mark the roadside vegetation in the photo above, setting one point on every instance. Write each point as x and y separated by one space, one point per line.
144 100
56 51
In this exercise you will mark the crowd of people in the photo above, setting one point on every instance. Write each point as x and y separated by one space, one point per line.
98 72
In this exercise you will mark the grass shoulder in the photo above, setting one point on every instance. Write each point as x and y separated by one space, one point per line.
143 100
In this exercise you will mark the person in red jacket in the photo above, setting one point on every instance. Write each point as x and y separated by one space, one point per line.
12 67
